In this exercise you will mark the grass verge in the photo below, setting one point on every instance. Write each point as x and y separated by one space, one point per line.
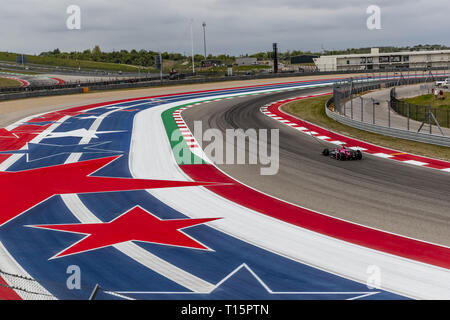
313 110
431 100
8 83
84 64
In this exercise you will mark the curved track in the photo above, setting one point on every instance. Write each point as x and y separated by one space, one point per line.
91 186
374 192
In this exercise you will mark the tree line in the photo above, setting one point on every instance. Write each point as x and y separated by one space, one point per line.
145 58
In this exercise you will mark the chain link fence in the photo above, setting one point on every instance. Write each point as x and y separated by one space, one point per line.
350 101
25 287
422 113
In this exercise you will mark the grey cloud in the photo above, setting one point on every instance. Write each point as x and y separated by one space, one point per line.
233 26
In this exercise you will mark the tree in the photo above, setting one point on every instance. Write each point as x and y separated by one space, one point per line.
96 53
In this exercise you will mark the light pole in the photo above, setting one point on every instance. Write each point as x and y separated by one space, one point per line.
204 37
192 47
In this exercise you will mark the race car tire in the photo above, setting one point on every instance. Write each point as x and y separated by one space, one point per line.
342 156
358 154
326 152
338 156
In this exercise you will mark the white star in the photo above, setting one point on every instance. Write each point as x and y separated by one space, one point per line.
80 133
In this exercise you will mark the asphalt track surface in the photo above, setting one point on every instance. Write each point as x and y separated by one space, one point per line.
379 193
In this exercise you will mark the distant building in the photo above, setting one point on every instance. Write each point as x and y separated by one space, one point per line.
246 61
382 61
211 63
305 58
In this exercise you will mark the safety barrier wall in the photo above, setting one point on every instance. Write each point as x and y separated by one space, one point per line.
154 81
41 93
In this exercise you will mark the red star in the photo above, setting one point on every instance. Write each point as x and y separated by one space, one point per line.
134 225
19 191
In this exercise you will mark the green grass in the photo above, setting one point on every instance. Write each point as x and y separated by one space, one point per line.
430 100
313 110
418 110
8 83
83 64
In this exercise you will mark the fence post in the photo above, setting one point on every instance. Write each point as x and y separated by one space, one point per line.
389 114
373 110
362 109
351 107
407 115
429 118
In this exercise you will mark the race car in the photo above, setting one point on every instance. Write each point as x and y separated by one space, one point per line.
343 153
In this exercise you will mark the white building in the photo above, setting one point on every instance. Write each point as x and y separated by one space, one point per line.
382 61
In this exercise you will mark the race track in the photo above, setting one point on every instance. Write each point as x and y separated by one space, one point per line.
99 188
375 192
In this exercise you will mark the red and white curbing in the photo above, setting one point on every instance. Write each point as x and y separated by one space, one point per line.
274 111
184 130
188 137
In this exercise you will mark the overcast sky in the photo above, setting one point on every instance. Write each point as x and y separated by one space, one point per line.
232 26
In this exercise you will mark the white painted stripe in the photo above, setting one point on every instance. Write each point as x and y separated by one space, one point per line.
399 275
11 266
144 257
382 155
84 215
149 260
414 162
337 142
358 148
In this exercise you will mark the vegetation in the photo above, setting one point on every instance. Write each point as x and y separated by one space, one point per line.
144 60
388 49
73 63
19 72
313 110
431 100
8 83
440 106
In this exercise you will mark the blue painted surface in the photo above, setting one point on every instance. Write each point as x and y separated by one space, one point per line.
113 270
